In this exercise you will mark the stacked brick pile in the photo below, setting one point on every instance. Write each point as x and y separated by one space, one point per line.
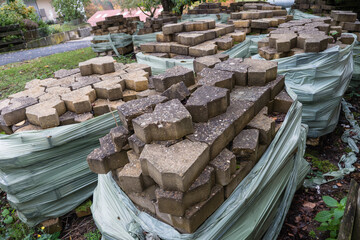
208 8
73 96
301 36
155 24
313 6
194 39
181 152
346 21
116 24
259 18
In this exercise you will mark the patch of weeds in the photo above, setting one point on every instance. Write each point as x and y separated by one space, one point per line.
95 235
125 59
323 166
348 150
84 207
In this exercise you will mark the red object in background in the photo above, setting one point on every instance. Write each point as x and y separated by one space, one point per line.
101 15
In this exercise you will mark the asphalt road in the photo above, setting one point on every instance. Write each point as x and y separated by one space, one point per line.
24 55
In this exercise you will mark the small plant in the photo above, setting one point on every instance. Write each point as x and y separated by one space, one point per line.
95 235
330 220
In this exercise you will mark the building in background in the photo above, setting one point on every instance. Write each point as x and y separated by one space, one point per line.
44 9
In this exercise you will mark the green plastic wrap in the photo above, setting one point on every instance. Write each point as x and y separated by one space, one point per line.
45 173
258 205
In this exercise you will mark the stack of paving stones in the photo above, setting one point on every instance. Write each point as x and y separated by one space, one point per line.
302 36
72 96
345 21
259 18
208 8
155 24
181 152
313 6
193 39
116 24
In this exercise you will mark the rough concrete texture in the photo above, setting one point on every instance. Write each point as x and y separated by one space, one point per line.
236 66
172 76
84 81
80 100
176 167
130 178
282 102
176 202
265 125
100 65
205 62
15 111
168 121
246 143
276 86
119 136
260 96
202 50
62 73
225 166
260 72
110 89
136 144
100 107
177 91
46 114
224 43
242 170
218 78
283 42
146 199
132 109
207 102
137 81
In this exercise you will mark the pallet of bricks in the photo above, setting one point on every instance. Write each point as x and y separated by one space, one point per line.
308 35
155 24
97 87
181 151
208 8
313 6
193 39
259 18
11 38
115 27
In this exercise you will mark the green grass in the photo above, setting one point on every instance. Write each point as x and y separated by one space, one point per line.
15 75
56 28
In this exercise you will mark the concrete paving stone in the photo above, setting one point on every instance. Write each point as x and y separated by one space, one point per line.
108 146
260 72
225 43
148 47
28 127
312 43
67 118
236 66
266 127
108 89
271 53
241 23
145 200
137 81
260 24
346 39
219 31
99 65
238 37
19 125
16 111
32 83
208 34
49 82
84 81
147 93
79 101
134 67
130 178
100 163
211 23
119 136
172 76
132 109
343 16
190 39
4 103
245 145
176 202
200 26
282 102
3 127
221 56
295 51
46 114
276 86
160 55
129 95
189 27
229 28
205 62
202 50
175 168
218 78
172 28
162 47
260 96
168 121
83 117
100 107
160 37
136 144
225 166
198 213
115 104
34 92
177 91
207 102
242 171
351 26
264 42
57 90
283 42
62 73
179 49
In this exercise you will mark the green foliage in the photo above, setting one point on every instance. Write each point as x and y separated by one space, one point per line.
148 7
330 220
84 207
70 9
95 235
323 166
312 234
16 12
125 58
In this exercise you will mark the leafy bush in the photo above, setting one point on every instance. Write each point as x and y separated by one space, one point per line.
330 220
16 12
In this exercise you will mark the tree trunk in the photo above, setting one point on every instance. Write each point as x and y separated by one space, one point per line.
167 5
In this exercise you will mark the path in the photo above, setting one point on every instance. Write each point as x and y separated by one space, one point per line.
24 55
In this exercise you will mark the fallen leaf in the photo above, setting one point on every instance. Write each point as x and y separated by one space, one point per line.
46 66
309 205
339 184
297 219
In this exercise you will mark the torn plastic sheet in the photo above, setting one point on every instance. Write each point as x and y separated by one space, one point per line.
351 137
